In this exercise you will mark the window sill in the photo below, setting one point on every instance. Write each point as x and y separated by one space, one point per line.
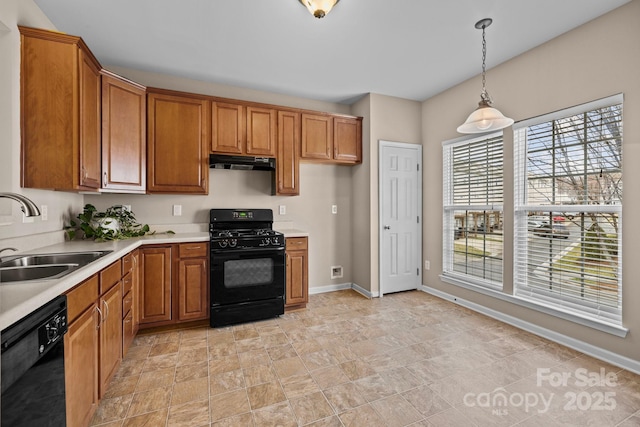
609 328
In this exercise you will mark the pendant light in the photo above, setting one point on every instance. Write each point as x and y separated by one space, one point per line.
319 8
485 118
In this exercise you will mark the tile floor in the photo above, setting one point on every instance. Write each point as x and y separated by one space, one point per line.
405 359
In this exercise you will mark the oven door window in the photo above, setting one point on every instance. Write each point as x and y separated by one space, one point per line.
248 272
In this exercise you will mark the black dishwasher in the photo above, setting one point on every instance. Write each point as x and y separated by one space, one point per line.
32 368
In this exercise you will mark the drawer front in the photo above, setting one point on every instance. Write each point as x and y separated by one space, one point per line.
81 297
294 243
127 302
110 276
193 250
127 283
127 263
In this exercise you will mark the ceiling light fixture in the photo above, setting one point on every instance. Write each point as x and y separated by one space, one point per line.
319 8
485 118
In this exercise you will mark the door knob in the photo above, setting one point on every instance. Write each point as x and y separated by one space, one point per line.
387 227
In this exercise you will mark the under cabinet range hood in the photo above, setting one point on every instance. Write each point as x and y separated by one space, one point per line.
223 161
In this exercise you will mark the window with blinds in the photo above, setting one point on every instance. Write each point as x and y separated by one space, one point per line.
568 207
473 197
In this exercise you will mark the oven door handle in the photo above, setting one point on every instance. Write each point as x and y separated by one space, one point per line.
245 250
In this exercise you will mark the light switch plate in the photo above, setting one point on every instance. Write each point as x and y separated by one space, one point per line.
334 209
283 210
177 210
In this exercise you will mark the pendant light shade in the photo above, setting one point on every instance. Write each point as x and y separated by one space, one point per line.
485 118
319 8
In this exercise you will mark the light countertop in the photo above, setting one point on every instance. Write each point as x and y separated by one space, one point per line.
292 232
17 299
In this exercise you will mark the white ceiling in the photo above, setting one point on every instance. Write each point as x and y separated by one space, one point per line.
410 49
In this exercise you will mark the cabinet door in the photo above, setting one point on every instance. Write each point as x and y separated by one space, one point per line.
178 144
135 307
261 131
288 158
155 284
89 122
228 128
347 140
124 136
317 137
110 335
297 281
81 368
193 289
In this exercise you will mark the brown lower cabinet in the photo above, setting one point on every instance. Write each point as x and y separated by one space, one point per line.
297 282
93 344
174 283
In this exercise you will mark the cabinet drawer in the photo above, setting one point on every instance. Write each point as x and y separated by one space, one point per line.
81 297
192 250
127 283
127 263
127 302
110 276
293 243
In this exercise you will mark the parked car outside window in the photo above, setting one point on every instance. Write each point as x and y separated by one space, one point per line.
552 231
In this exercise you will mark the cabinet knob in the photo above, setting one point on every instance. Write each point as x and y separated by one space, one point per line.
387 227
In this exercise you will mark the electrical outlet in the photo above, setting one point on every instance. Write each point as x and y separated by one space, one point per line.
44 213
283 210
427 265
334 209
177 210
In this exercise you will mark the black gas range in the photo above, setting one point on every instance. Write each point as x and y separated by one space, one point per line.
247 266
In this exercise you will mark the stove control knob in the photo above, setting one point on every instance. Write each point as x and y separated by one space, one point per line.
275 241
222 243
233 243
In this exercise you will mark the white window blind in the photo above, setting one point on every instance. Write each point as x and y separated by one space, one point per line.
473 197
568 211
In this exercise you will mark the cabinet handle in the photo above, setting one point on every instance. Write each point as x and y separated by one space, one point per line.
193 248
100 313
106 310
104 180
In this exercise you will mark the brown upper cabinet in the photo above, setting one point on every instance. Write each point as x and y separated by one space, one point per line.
331 138
288 158
124 141
177 142
243 129
60 112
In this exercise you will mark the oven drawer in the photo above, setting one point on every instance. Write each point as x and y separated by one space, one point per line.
193 250
294 243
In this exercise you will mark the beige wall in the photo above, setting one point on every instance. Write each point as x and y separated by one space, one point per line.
13 13
598 59
390 119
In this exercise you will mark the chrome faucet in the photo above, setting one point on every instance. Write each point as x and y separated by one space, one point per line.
28 207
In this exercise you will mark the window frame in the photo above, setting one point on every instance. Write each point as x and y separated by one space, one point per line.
450 207
585 311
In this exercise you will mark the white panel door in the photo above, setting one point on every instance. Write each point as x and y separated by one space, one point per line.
400 212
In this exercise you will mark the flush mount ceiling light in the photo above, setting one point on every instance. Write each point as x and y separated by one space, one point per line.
319 8
485 118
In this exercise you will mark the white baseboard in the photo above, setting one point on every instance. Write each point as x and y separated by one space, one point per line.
581 346
329 288
342 287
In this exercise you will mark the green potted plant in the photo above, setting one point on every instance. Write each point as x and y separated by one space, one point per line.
115 223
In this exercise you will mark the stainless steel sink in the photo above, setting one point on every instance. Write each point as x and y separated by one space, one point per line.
35 272
45 266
